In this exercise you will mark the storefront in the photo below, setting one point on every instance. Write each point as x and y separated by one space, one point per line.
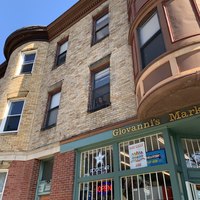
142 161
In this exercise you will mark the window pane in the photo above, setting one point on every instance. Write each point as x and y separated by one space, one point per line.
102 22
29 57
12 123
102 33
63 47
61 58
2 180
47 170
52 118
102 78
148 29
55 100
153 49
16 107
27 68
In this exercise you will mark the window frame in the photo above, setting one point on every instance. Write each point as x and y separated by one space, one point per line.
59 44
3 171
94 31
144 64
23 54
48 110
91 106
3 123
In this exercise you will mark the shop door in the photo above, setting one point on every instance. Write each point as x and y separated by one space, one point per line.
193 191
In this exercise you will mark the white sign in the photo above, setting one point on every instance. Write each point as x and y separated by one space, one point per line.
137 155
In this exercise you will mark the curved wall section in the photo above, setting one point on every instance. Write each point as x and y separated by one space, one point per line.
164 74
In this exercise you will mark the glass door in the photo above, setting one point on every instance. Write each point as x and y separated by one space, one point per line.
193 191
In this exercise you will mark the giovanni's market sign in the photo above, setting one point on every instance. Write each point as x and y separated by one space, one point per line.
171 117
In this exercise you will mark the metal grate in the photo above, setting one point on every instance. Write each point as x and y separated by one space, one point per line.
97 190
191 148
153 142
151 186
97 161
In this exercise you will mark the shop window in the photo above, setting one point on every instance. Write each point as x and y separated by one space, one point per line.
191 148
101 27
100 95
151 40
46 170
62 53
151 147
53 106
28 62
12 120
3 176
147 186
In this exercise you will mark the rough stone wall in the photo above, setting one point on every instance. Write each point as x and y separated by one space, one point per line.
13 87
73 117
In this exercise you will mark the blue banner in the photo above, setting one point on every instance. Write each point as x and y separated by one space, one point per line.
157 157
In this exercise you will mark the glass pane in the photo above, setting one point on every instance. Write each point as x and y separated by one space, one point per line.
29 57
2 180
12 123
148 29
102 78
47 170
16 108
55 100
27 68
153 49
63 47
102 22
102 33
52 118
61 58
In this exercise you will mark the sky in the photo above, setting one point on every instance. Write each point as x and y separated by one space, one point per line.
16 14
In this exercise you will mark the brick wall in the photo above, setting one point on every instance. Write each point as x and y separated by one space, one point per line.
22 180
63 176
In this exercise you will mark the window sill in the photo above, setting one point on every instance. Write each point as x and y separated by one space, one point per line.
48 127
21 75
8 133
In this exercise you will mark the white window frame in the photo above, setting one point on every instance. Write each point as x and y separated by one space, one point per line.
3 170
6 115
21 62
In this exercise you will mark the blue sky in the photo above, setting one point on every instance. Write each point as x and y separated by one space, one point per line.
15 14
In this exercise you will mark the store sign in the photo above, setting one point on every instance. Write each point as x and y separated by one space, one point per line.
157 157
137 155
105 188
170 117
100 168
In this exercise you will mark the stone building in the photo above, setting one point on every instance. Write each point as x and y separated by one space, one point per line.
103 103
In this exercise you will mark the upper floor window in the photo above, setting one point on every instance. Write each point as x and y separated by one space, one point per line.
100 97
54 101
13 116
27 64
62 52
151 40
101 27
3 176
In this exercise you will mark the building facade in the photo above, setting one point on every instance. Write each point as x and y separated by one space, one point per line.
103 104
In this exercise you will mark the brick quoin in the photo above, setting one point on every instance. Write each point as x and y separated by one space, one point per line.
63 176
22 180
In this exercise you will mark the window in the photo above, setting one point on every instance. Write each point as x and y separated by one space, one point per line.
12 120
62 52
45 177
3 176
28 61
151 40
53 109
100 89
101 27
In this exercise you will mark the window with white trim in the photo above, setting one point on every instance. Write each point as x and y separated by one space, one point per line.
62 52
13 116
54 101
151 40
28 62
3 177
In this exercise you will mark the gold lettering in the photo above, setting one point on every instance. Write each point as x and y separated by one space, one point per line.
128 129
123 131
157 122
115 132
133 128
140 126
191 112
174 116
184 114
197 110
146 125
